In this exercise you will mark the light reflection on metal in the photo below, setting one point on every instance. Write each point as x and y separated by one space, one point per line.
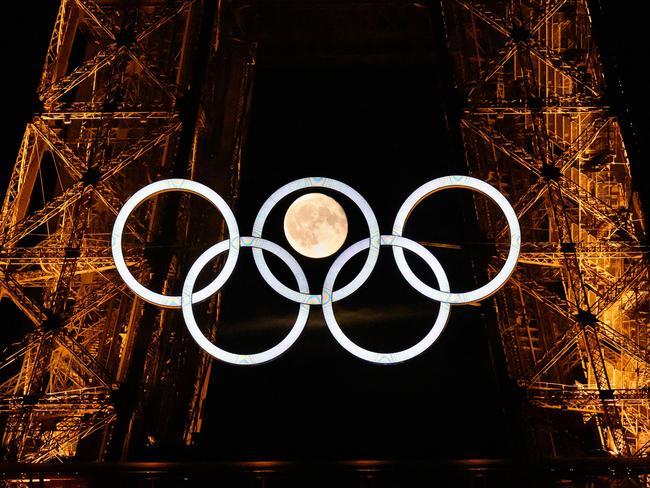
328 295
574 319
108 124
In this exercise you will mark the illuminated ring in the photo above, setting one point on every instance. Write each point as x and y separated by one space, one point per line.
164 186
487 190
187 301
373 228
377 357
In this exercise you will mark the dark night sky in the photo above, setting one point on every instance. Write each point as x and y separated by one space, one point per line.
318 400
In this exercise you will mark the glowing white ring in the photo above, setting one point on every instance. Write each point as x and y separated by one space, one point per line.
515 239
187 299
164 186
377 357
352 194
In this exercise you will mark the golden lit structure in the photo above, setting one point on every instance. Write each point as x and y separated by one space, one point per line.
122 91
574 319
125 91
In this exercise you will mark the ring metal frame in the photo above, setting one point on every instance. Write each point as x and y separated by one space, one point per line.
233 358
157 188
443 183
378 357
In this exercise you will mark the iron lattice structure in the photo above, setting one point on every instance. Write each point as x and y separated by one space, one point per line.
574 319
135 91
123 92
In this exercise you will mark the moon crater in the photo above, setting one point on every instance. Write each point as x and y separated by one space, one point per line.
315 225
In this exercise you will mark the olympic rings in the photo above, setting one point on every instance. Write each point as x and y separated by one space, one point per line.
328 295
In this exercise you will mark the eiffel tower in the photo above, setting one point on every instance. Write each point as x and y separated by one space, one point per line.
128 92
574 319
123 92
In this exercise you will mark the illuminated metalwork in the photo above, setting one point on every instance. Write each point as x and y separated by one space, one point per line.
122 105
573 321
574 318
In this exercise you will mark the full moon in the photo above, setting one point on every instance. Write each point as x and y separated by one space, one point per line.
315 225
